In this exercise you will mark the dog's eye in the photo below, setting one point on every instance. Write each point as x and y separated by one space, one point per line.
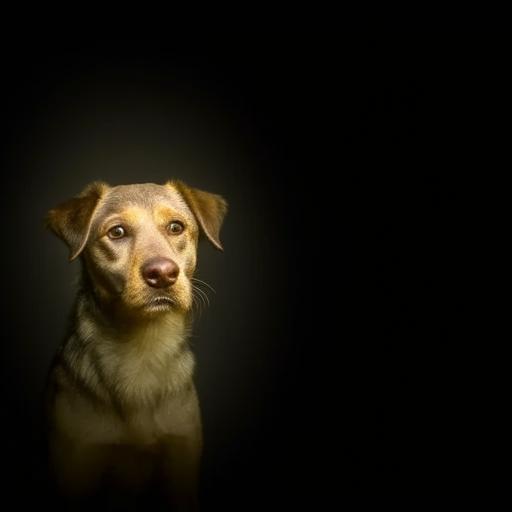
175 227
116 232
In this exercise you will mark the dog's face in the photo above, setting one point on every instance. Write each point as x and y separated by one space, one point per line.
138 242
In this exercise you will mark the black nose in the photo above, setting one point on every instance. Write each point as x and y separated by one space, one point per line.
160 272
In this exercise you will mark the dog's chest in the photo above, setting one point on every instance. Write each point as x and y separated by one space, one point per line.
144 386
143 426
143 370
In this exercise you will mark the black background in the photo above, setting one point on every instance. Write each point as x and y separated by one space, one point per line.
327 362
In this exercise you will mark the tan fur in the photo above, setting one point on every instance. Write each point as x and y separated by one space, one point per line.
121 399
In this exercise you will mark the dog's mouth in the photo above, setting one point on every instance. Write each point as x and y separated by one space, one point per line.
160 303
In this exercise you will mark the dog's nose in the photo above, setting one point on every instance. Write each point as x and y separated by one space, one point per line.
160 272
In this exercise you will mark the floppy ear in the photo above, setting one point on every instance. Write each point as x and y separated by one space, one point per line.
71 220
209 210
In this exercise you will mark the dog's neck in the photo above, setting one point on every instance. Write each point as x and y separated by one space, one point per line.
147 360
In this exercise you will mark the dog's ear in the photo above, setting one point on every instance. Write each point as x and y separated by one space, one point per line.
71 220
209 209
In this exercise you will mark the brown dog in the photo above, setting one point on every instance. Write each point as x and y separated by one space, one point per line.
122 407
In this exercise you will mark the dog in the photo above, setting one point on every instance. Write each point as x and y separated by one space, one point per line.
123 412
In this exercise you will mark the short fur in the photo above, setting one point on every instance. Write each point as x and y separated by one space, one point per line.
122 407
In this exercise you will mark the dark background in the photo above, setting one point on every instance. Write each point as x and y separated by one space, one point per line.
326 360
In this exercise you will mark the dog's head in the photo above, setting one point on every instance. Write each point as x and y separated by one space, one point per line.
138 242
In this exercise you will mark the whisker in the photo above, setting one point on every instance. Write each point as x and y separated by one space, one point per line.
196 303
198 297
205 298
202 294
205 283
